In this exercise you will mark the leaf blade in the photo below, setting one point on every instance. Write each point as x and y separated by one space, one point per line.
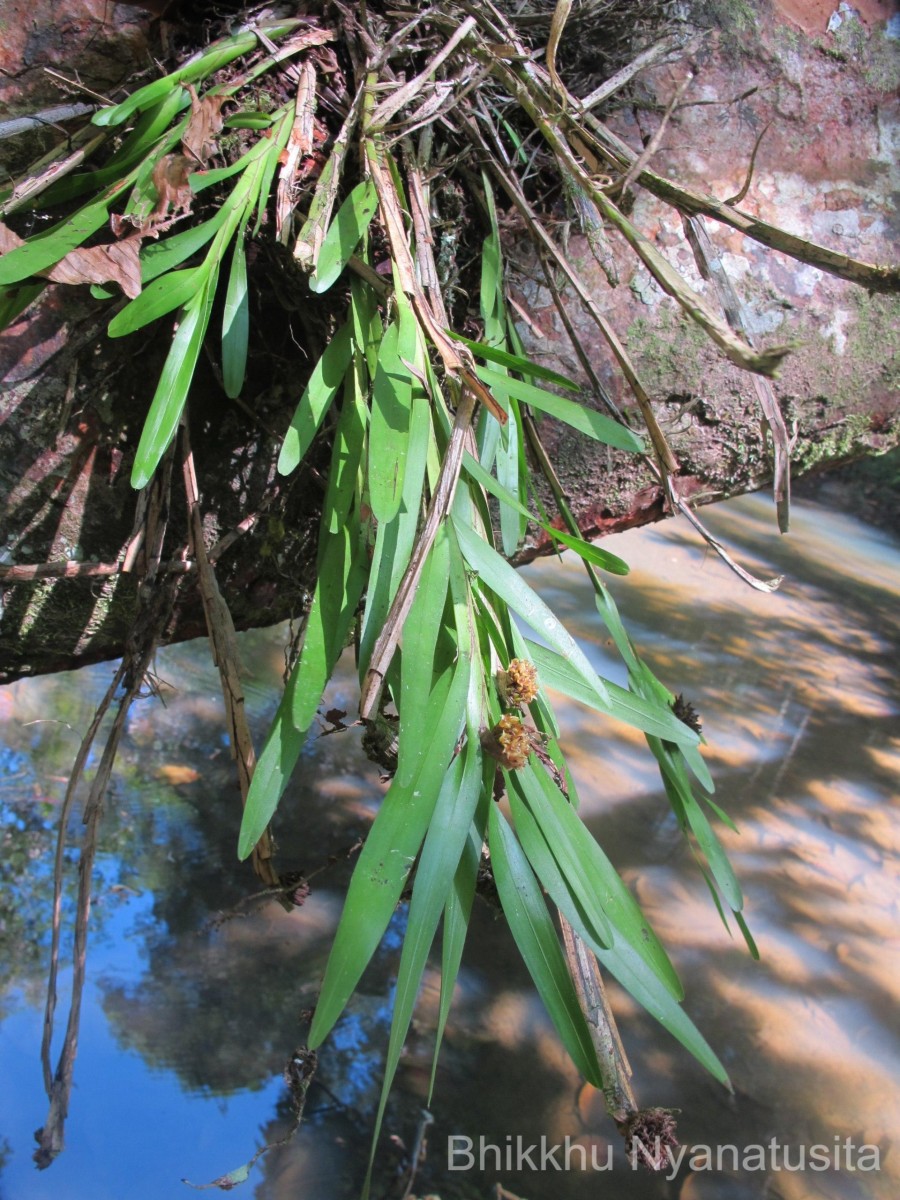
318 394
536 939
344 235
592 424
236 323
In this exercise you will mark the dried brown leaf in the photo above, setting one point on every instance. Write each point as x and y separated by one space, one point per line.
204 126
171 178
117 263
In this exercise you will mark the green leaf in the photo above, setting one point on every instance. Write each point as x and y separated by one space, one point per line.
420 637
589 874
137 147
15 299
491 297
160 257
248 120
515 362
389 427
593 424
341 580
150 94
46 249
748 936
697 764
506 582
276 142
678 789
569 842
316 400
349 439
216 56
394 539
453 936
554 672
621 960
435 873
235 323
585 550
387 856
536 938
162 296
344 235
174 383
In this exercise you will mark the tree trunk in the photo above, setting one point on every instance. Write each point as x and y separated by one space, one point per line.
73 401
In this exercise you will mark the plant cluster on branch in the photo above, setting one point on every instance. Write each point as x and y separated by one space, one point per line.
393 140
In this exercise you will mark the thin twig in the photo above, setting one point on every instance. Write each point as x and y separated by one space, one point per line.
223 641
653 145
614 1065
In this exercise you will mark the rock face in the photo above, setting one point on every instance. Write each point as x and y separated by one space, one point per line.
815 96
824 106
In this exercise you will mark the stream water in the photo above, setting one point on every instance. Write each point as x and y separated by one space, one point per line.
195 999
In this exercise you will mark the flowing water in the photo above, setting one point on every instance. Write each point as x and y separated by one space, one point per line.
195 999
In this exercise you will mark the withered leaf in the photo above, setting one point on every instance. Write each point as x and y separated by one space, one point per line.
199 141
171 177
117 263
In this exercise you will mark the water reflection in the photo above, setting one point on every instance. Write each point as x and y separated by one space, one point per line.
196 999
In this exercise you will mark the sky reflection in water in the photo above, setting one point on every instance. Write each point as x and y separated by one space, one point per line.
189 1019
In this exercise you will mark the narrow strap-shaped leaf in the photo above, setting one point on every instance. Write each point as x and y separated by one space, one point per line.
174 383
341 580
629 707
14 299
585 550
318 394
344 235
420 636
276 142
572 847
160 257
456 924
386 858
593 424
216 56
435 872
515 362
394 540
162 296
536 938
138 146
697 764
349 440
576 850
677 782
235 323
46 249
509 457
621 959
389 427
506 582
